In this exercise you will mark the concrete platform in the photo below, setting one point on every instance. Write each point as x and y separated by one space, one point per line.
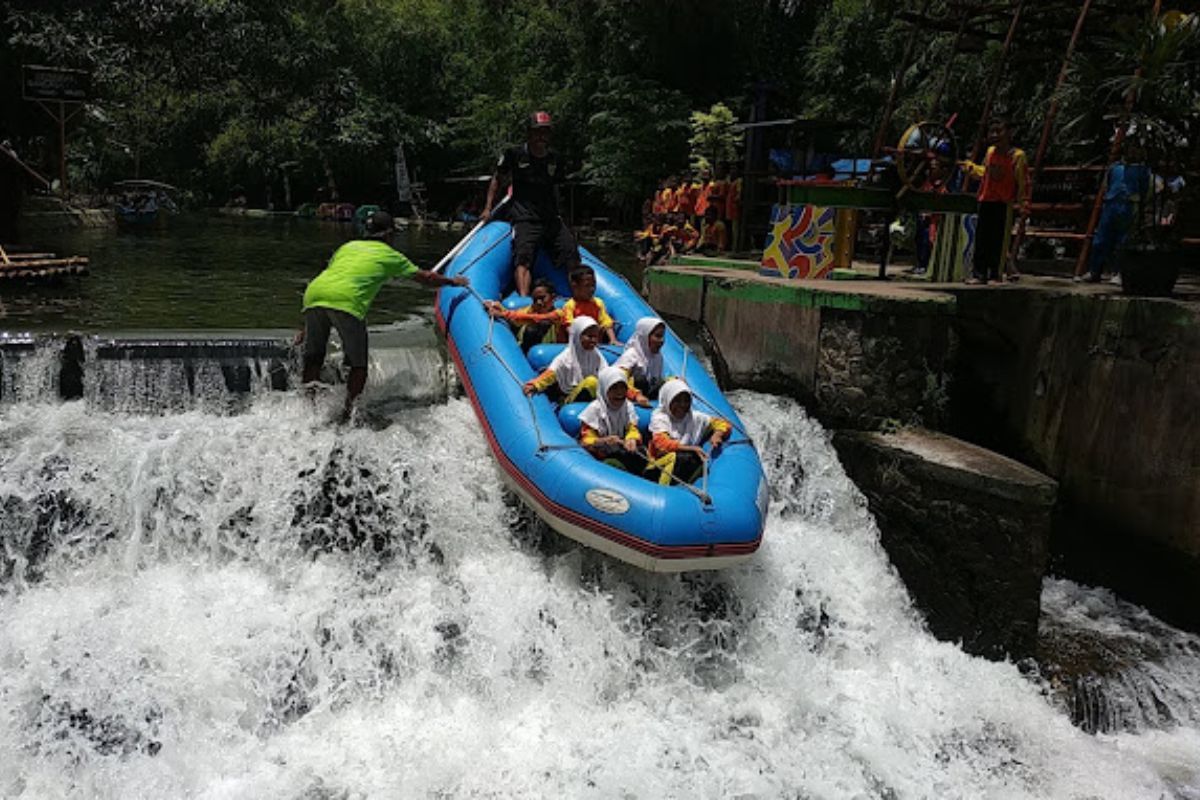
1093 387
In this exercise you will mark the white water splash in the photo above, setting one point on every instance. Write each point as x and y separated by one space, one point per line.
262 606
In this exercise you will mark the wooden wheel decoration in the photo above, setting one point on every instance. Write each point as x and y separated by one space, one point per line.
925 148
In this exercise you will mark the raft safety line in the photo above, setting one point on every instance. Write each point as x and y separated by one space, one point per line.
701 493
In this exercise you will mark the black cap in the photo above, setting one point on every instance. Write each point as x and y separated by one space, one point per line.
379 224
540 119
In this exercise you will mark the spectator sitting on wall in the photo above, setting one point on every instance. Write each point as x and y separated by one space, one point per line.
714 239
654 241
684 236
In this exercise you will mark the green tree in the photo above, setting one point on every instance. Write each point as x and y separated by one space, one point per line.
714 138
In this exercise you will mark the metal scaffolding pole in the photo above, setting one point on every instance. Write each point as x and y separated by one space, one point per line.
897 84
981 135
1051 116
1113 155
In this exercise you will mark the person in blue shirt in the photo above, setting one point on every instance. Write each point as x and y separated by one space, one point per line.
1127 187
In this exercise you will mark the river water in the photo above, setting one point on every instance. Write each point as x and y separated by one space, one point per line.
208 601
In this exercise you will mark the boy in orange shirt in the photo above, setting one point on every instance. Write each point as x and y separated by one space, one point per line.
537 323
584 303
714 240
1005 173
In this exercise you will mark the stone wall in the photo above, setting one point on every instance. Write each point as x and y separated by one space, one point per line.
858 358
1101 391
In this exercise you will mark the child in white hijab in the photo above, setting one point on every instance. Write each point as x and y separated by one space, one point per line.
572 373
608 426
677 434
642 359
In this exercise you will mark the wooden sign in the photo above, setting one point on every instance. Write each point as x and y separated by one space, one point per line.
52 84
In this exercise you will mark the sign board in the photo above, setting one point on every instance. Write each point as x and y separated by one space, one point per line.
52 84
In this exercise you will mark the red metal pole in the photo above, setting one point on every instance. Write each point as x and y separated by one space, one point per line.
62 148
1051 116
897 84
937 97
977 149
1113 155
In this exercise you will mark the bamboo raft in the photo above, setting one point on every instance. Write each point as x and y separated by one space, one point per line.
39 266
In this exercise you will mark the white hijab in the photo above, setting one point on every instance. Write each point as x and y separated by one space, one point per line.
637 358
688 429
603 418
574 363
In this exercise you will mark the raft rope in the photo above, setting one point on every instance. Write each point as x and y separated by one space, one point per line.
542 446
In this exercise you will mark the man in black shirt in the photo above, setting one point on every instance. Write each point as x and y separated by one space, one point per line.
535 171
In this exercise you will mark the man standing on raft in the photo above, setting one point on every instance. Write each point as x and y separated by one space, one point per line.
536 172
340 296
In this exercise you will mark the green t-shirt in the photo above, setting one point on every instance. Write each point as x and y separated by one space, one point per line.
354 276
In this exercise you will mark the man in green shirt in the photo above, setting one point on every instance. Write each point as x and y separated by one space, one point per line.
340 296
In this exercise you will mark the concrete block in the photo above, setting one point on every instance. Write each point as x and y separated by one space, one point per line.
967 529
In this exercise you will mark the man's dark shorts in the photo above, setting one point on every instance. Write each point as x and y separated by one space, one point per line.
351 330
554 237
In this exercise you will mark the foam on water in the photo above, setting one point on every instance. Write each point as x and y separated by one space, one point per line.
261 605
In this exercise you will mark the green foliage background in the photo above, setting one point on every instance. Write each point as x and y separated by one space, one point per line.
212 93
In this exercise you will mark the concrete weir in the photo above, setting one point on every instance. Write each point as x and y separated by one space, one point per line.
1095 389
153 370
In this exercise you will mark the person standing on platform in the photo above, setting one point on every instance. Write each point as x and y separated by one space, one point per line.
684 198
1127 187
1005 182
733 206
536 172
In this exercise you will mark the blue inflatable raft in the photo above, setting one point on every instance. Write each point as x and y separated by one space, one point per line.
716 522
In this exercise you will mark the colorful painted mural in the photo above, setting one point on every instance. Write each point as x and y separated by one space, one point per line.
800 243
954 250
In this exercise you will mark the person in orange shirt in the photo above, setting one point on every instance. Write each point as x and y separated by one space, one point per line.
733 205
713 238
666 197
717 190
683 198
652 241
1005 174
684 235
537 323
584 303
700 190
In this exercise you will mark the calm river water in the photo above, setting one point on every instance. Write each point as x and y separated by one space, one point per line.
211 272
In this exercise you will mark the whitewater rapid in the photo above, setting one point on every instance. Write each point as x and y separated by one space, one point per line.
260 605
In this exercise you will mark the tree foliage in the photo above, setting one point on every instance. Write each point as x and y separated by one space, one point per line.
211 93
714 139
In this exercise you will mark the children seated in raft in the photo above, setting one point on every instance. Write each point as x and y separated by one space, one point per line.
642 359
537 323
677 434
572 374
609 427
584 303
